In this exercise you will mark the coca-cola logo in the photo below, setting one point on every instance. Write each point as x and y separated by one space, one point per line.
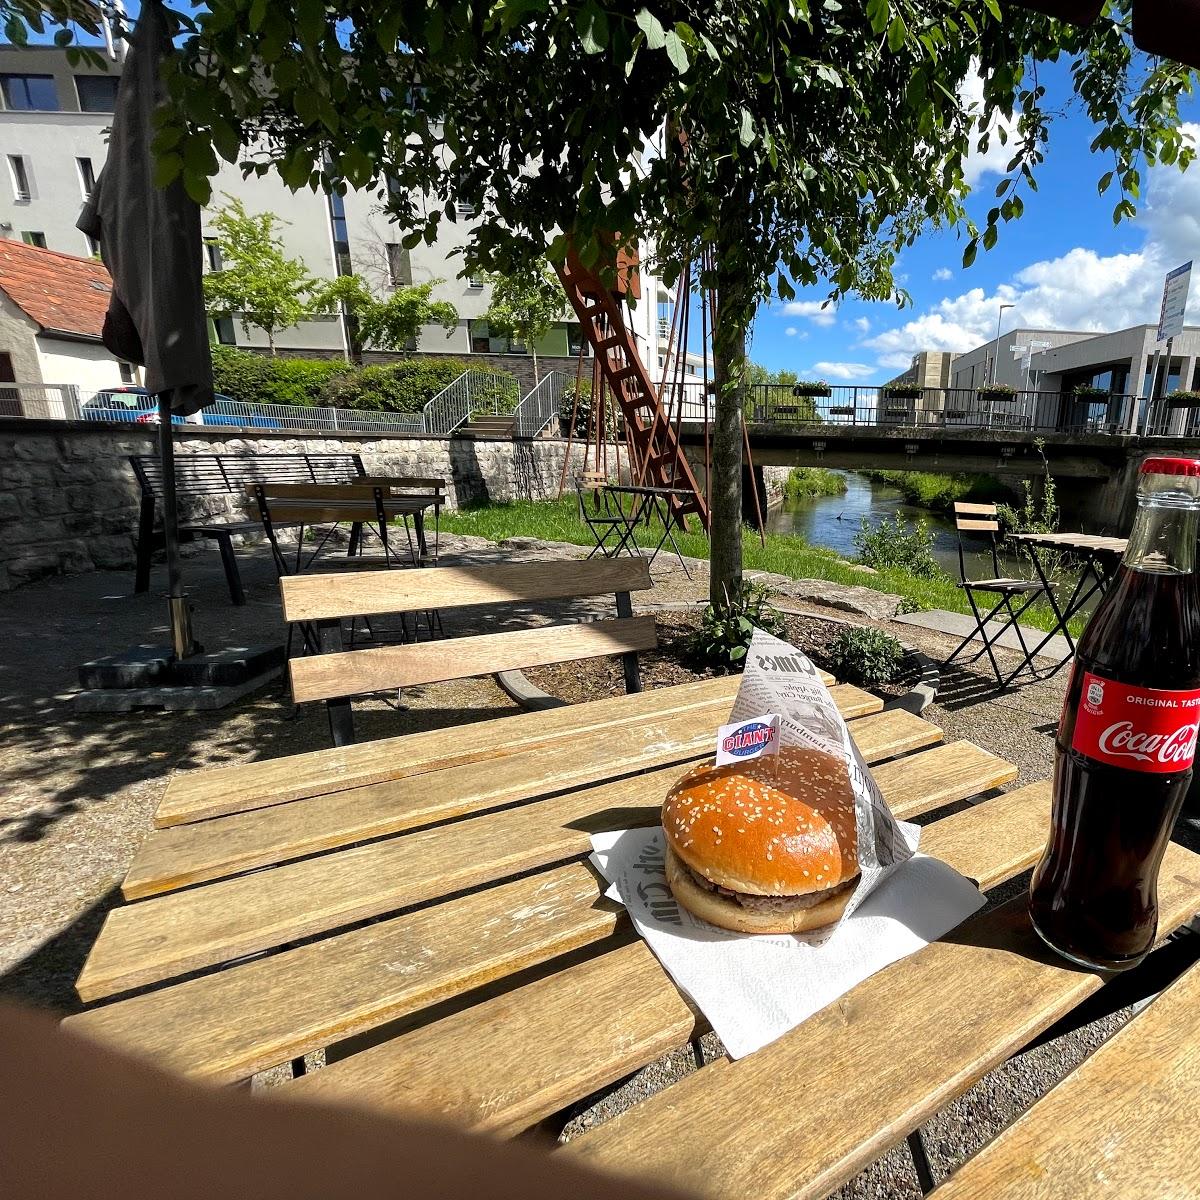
1122 740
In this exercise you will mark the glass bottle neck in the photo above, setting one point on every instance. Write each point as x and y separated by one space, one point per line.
1163 539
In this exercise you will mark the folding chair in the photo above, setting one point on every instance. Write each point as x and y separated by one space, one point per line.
602 513
980 519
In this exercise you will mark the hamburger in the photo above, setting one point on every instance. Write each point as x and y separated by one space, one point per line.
767 846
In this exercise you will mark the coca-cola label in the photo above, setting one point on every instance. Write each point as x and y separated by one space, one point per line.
1141 729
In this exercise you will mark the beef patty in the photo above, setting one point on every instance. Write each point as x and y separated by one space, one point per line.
754 903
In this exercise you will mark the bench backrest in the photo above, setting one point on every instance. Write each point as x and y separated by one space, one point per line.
975 518
340 674
212 474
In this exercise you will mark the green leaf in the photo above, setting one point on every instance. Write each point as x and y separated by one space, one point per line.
994 8
197 187
593 29
970 252
651 26
879 13
676 51
258 14
746 130
166 169
897 31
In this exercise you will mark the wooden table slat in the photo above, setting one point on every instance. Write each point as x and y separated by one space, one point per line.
172 858
861 1074
511 1061
170 935
217 791
253 1015
1123 1125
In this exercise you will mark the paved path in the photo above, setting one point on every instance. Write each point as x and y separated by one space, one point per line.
960 624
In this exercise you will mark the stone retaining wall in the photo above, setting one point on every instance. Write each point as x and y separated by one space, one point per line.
69 501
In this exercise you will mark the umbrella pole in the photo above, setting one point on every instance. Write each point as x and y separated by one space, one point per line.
181 619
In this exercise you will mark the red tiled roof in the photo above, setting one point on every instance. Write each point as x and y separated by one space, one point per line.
58 291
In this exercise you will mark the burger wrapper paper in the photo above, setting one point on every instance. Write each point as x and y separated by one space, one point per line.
753 988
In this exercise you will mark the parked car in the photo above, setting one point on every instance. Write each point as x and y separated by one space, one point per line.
124 404
140 406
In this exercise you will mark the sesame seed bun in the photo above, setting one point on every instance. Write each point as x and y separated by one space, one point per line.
778 826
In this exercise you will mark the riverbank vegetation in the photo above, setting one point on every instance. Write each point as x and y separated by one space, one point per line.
784 554
803 483
939 492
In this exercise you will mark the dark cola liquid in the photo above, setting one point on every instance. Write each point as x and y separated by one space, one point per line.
1093 897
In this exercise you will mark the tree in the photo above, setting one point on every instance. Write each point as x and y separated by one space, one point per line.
525 306
391 323
257 283
809 141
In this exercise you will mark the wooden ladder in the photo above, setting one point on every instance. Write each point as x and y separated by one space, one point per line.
659 458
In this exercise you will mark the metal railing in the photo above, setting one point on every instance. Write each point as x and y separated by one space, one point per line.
543 404
473 393
287 416
40 401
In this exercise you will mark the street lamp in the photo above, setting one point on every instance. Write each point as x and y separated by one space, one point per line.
996 356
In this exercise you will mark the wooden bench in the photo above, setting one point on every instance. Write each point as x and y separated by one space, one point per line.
336 674
370 500
226 474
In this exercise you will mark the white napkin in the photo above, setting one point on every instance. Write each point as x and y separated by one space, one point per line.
754 988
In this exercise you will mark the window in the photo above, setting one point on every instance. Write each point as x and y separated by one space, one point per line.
474 281
87 177
93 246
33 237
29 93
212 254
20 177
126 370
464 210
399 266
574 338
223 327
97 93
341 234
481 342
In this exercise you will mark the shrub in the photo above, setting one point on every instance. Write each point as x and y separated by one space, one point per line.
803 482
1183 398
865 657
893 543
905 391
257 379
810 387
725 629
582 412
928 490
1090 391
1002 390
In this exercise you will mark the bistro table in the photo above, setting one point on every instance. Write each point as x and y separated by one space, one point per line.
421 908
1098 557
649 503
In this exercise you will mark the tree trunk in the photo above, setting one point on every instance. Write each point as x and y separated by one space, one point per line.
536 377
725 484
271 341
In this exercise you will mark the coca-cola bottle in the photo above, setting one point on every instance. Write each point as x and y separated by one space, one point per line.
1127 736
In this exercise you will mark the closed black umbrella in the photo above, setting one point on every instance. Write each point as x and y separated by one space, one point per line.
150 242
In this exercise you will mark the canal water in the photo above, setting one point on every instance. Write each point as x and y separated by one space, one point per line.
833 521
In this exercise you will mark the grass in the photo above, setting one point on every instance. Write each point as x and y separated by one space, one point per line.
803 483
784 554
939 492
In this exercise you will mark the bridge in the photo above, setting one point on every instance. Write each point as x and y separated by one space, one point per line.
1085 438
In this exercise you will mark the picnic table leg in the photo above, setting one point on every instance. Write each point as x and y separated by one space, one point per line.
355 540
916 1147
419 526
341 716
229 561
629 661
145 545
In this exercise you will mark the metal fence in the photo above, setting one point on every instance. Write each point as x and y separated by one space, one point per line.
543 404
473 393
40 401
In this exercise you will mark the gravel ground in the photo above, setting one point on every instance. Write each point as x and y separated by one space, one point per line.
80 789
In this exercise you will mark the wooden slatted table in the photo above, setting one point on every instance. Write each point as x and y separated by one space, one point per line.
422 909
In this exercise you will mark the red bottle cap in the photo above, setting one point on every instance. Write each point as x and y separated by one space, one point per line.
1170 466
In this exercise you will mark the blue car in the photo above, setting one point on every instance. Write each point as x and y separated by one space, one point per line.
138 405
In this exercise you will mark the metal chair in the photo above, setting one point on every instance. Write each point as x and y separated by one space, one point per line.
980 519
602 513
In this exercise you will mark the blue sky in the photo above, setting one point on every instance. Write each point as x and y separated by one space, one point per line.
1063 264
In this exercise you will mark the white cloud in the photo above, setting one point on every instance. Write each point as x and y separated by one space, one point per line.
942 274
844 370
1080 290
815 310
862 324
791 331
895 362
995 159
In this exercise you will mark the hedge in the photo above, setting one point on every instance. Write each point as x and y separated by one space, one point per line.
405 386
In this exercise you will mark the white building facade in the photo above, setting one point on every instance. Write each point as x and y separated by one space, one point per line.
53 123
